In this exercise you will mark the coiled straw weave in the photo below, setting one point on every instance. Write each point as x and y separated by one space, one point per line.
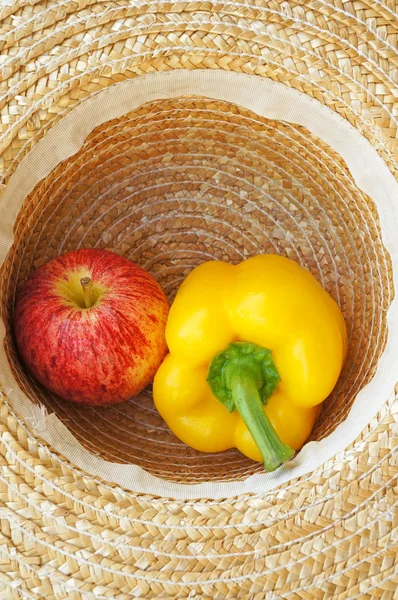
169 185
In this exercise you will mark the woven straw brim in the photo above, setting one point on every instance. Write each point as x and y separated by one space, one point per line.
180 181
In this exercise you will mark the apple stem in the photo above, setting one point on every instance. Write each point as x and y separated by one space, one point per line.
87 286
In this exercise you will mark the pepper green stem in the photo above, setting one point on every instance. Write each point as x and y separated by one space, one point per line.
248 404
243 377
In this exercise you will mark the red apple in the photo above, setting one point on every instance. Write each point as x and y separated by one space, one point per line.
90 324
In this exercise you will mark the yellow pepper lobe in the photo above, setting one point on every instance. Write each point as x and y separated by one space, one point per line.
183 398
267 300
178 386
206 427
198 326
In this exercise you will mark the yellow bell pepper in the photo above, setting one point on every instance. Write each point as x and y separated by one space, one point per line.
254 349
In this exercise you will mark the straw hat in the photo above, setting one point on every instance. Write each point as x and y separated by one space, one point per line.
172 132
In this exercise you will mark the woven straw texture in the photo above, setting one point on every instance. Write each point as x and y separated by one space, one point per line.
169 185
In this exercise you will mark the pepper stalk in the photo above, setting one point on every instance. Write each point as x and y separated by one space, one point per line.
243 377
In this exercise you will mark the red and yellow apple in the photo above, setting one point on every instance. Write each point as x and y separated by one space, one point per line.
89 325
